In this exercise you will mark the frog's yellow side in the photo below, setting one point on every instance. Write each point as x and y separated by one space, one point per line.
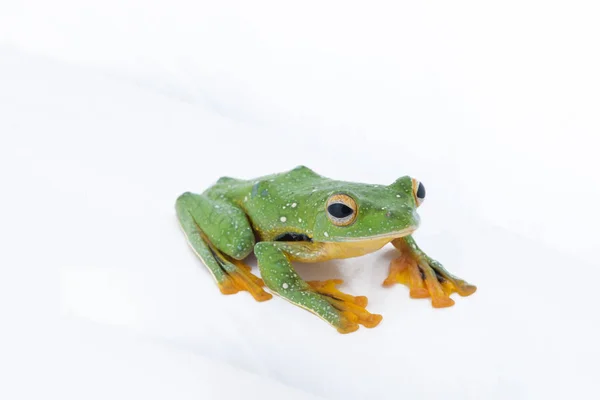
325 251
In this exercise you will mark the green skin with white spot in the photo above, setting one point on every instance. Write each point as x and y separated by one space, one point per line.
241 216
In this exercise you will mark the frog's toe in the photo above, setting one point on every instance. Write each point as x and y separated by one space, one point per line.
239 278
348 323
442 302
418 293
468 290
352 308
398 272
227 286
452 287
450 283
361 301
328 288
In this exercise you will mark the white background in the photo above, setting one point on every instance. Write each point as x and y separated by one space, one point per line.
110 110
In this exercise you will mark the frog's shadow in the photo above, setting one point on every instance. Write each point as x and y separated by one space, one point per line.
332 269
308 271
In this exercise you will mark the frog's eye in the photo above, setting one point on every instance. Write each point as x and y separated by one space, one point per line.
418 191
341 209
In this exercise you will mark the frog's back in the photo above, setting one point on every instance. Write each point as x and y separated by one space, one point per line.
235 189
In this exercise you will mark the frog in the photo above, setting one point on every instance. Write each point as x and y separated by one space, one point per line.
301 216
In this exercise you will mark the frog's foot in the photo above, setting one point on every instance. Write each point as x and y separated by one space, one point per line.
427 278
352 308
238 277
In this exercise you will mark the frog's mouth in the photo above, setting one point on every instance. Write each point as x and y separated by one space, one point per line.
358 246
382 236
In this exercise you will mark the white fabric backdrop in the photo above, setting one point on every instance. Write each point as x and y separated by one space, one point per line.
108 111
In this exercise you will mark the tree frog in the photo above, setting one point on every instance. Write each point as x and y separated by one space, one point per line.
302 216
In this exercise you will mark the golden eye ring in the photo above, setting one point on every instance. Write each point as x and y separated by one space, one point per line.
341 209
418 192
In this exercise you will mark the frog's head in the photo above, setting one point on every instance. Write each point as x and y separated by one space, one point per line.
359 212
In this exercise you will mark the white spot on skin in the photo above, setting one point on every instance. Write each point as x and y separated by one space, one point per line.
397 195
299 219
326 234
284 207
245 198
283 219
294 205
285 286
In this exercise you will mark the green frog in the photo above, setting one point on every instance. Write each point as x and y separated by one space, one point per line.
302 216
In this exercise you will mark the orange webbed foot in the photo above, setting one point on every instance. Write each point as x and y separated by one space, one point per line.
353 311
425 278
241 279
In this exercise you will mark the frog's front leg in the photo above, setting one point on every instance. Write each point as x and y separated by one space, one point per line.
220 235
424 276
341 310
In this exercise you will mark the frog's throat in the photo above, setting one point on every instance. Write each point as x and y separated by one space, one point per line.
388 235
354 247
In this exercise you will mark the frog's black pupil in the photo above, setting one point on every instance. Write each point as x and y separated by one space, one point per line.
421 191
339 210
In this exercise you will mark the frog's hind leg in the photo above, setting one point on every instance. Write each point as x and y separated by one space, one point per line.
231 274
424 276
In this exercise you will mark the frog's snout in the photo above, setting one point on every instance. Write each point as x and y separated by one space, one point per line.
404 219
